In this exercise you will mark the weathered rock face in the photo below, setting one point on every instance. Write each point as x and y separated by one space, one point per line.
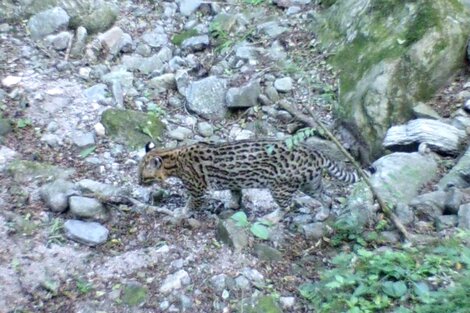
391 54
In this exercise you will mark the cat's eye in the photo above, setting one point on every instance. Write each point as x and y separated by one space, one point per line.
158 162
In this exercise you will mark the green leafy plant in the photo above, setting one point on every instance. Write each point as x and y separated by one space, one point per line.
54 235
300 136
87 151
23 122
178 39
155 111
259 229
83 286
379 281
255 2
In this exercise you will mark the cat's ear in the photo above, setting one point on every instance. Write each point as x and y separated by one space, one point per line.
149 146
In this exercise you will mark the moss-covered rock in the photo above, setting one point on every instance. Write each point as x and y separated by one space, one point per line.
134 294
26 171
265 304
132 128
390 55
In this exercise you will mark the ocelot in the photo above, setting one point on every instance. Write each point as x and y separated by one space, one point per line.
240 165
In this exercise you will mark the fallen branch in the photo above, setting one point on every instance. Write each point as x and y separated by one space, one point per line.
140 206
313 122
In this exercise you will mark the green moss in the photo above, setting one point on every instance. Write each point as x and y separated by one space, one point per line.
131 127
179 38
426 17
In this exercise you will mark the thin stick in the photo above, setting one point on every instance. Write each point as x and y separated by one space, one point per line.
313 122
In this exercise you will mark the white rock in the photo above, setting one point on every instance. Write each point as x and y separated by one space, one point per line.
99 130
11 81
437 135
175 281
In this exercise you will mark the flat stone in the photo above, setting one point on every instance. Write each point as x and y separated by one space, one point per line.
272 29
180 133
83 140
11 81
98 188
175 281
206 97
96 92
283 84
437 135
188 7
86 207
111 39
87 233
245 96
267 253
313 231
156 38
196 43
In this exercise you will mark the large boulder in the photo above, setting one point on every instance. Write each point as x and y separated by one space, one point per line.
391 55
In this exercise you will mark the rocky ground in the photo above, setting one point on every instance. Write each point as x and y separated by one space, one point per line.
67 248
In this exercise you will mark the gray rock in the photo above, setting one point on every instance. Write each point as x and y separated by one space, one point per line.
229 233
188 7
126 44
245 96
78 46
60 41
399 176
83 140
182 81
142 64
242 283
313 231
52 140
405 213
87 233
98 188
180 133
96 93
124 77
206 97
143 50
118 93
283 84
464 216
163 82
430 204
86 207
47 22
56 194
196 43
272 93
293 10
175 281
442 222
390 236
422 110
156 38
459 175
437 135
218 282
272 29
205 129
5 126
454 198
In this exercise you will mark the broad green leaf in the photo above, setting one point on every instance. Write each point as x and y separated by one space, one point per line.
394 289
260 230
86 152
241 219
